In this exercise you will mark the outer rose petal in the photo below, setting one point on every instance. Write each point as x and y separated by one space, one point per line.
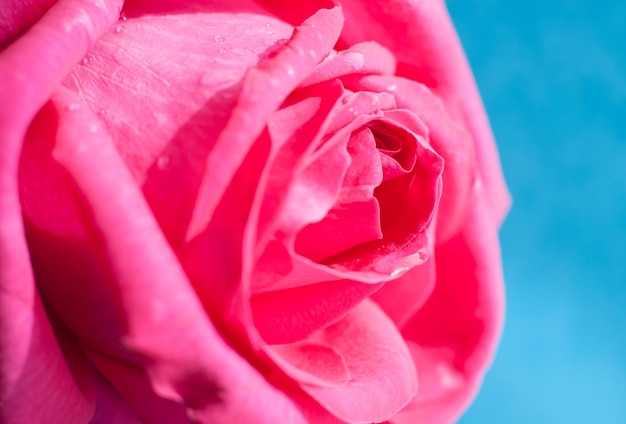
30 68
186 359
454 335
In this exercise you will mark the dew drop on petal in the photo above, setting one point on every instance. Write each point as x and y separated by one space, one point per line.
399 272
73 107
221 51
354 59
392 87
241 52
122 16
120 28
219 39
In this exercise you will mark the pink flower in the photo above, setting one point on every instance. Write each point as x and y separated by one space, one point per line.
251 212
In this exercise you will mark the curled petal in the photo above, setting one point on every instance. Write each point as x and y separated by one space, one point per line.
249 117
184 356
381 373
454 334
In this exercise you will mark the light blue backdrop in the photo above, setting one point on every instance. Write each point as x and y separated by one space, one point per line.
553 77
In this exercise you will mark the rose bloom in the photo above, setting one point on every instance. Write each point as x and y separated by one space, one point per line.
243 212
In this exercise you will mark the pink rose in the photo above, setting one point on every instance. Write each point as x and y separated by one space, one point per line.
243 212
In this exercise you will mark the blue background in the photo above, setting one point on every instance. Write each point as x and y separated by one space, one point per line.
553 78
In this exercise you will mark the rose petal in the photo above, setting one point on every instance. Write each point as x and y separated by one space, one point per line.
36 382
363 58
61 256
383 377
297 130
455 333
286 316
311 363
402 297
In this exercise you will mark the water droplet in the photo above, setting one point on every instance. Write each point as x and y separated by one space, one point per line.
120 28
163 161
282 42
392 87
102 112
122 16
398 272
270 32
354 59
87 60
219 39
221 51
290 71
73 107
268 25
241 52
